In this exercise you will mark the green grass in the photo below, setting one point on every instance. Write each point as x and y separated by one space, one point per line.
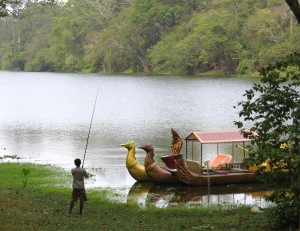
43 205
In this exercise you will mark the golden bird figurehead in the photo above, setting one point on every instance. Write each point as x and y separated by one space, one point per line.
128 144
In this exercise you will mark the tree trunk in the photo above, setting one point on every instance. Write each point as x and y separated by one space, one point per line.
145 64
295 8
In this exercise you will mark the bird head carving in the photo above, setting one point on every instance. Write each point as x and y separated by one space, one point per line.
146 147
128 145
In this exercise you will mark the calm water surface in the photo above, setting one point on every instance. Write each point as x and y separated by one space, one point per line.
45 117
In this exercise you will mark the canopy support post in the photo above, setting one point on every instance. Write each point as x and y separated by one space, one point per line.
201 154
192 150
232 145
186 149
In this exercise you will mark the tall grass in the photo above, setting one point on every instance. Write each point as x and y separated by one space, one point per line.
43 205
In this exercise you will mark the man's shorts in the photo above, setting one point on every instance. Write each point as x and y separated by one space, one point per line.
79 193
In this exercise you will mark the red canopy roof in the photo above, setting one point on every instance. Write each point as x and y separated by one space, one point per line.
217 137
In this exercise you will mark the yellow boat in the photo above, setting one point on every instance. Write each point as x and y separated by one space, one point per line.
135 169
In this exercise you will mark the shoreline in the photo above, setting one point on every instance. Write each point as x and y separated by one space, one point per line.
43 205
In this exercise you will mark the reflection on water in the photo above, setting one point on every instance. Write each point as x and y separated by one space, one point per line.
151 194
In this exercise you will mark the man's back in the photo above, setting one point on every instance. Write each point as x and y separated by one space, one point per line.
78 177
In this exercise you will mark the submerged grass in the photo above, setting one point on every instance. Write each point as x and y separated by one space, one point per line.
43 205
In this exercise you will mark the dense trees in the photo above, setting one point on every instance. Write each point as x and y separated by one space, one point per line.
15 7
161 36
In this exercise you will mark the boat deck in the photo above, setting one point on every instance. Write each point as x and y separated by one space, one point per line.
221 171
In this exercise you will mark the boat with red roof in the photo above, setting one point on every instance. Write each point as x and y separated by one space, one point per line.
222 169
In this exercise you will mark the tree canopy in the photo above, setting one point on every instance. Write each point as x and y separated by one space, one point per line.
15 7
150 36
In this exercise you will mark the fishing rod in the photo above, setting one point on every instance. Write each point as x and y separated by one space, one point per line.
246 150
87 141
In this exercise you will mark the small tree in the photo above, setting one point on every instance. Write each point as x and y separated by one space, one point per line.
273 107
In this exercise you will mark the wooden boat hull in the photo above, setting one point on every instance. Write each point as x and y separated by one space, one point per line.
186 176
169 161
160 175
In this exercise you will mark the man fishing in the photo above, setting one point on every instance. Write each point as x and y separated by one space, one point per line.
80 173
78 186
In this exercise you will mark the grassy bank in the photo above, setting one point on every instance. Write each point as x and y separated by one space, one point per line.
43 205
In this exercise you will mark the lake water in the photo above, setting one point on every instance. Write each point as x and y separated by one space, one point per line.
45 117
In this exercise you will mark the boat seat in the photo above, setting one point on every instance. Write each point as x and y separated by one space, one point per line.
219 160
169 161
194 166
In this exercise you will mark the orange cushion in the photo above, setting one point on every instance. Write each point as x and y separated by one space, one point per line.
220 159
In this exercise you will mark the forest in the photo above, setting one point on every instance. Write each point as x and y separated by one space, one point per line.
149 36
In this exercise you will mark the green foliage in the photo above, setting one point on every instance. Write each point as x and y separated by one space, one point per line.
111 48
273 108
40 62
12 58
25 175
161 36
246 67
40 176
205 43
285 215
167 55
15 8
24 38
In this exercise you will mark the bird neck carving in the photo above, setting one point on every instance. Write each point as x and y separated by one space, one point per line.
149 157
130 159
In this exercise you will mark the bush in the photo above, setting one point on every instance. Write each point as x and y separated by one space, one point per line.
273 106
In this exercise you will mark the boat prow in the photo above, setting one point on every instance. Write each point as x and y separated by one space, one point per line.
157 173
135 169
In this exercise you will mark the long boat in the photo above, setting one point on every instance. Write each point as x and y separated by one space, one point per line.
193 172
